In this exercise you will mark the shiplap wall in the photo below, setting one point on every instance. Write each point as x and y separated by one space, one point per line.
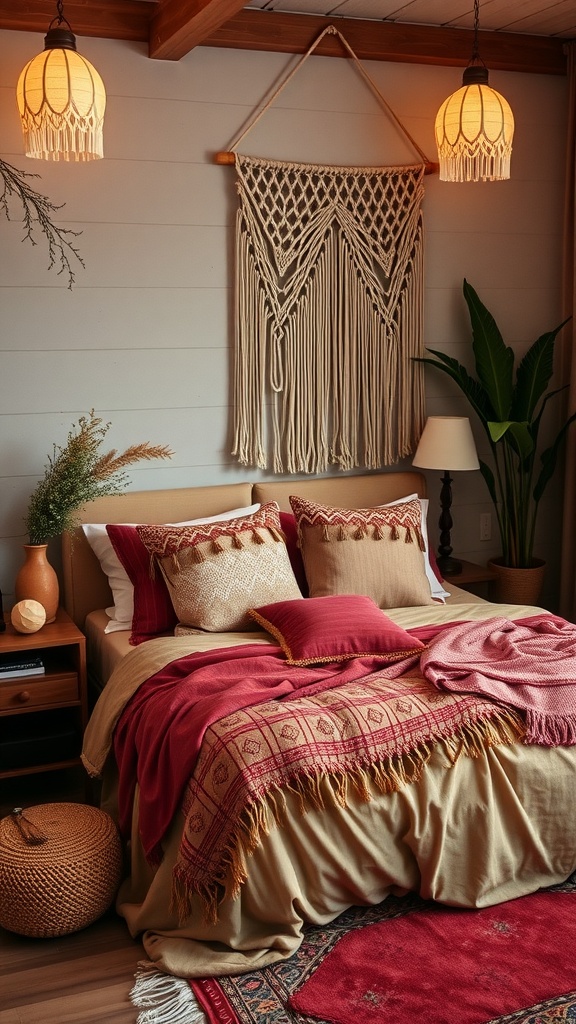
144 337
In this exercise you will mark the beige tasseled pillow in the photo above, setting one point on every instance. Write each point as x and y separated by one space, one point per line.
216 572
378 552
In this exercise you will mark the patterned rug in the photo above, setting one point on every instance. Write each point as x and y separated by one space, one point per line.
263 997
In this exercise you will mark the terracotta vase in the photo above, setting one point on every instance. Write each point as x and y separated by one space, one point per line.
37 580
518 586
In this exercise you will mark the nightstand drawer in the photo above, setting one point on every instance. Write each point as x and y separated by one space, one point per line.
22 694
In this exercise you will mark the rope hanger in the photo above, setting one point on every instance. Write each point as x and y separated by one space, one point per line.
228 157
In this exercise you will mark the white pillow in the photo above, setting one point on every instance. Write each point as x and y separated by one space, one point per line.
437 590
122 611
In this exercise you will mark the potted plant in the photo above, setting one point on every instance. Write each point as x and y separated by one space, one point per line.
510 401
75 474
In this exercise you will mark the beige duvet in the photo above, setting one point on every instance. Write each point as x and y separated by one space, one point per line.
476 833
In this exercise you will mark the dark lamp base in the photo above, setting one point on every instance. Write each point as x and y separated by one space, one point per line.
449 566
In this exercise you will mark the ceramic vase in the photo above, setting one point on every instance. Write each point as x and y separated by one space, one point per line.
37 580
518 586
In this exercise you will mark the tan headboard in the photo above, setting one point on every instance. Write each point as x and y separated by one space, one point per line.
343 491
85 585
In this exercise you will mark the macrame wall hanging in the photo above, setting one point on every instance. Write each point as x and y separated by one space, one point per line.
328 310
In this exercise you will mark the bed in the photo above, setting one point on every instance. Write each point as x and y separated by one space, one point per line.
468 813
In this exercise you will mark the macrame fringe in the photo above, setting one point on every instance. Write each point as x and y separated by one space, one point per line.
164 999
65 141
315 790
329 296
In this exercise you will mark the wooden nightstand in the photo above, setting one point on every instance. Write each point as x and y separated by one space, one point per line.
43 717
474 578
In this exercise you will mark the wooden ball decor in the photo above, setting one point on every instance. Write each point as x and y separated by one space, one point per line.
28 616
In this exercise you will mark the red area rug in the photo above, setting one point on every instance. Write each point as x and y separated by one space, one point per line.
407 961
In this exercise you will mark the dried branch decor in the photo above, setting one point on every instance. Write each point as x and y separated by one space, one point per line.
37 209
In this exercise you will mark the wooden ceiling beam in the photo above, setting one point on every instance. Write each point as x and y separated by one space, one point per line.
106 19
174 27
390 41
180 25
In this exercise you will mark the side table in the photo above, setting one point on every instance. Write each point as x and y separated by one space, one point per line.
43 717
474 578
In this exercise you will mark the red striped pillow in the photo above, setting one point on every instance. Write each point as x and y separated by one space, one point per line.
153 610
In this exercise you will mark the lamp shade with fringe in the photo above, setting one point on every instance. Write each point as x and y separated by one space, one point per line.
61 99
474 129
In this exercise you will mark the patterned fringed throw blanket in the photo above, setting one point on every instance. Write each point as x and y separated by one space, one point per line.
373 735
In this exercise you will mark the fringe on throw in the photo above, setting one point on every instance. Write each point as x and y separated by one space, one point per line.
551 730
316 789
329 315
164 999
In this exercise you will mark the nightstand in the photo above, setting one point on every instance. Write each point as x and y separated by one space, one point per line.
474 578
43 717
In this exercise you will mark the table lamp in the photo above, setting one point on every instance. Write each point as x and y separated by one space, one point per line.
446 443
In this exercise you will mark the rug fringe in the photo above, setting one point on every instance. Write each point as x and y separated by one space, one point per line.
163 998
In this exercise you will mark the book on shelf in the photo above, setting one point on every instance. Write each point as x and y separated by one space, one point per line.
12 668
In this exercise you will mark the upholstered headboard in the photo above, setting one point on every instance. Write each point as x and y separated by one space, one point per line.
86 586
343 491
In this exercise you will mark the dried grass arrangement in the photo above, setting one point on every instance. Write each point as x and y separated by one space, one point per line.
77 473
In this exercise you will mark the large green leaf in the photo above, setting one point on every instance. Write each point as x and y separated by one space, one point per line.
549 459
494 359
517 434
471 388
534 374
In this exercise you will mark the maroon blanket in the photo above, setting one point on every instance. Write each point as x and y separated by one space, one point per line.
529 664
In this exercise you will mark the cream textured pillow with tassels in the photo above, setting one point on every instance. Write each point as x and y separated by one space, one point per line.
216 573
378 552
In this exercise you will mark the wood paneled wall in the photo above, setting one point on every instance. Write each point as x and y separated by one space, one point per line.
144 337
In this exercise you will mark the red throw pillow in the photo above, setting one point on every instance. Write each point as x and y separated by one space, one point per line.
153 610
334 628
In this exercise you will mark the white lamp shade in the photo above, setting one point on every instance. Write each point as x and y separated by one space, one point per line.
447 443
61 99
474 129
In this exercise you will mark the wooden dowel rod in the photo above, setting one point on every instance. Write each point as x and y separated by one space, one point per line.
228 159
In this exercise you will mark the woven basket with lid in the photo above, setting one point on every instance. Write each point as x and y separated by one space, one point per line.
60 867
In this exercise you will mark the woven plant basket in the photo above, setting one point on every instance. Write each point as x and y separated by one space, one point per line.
518 586
60 867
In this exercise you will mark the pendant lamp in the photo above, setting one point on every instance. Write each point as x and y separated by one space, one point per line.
474 127
61 99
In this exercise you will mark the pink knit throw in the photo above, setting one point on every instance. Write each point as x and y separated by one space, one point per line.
529 663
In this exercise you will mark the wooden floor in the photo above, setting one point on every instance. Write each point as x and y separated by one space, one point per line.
83 978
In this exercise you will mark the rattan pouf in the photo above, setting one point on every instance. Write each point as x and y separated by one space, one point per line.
60 867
